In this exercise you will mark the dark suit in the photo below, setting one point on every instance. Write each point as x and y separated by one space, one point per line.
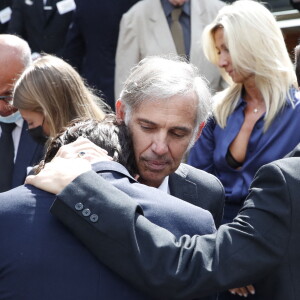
92 42
29 154
40 259
295 5
43 32
4 4
261 246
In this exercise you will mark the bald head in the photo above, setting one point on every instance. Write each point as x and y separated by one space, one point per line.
15 56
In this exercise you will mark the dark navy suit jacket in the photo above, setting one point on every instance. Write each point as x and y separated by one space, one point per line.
29 154
45 33
261 246
40 259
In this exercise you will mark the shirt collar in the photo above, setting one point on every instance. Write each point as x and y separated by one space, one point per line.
165 185
19 123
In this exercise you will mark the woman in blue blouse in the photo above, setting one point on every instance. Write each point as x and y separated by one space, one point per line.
256 119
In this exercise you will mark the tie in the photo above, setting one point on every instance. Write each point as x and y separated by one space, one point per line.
177 32
6 156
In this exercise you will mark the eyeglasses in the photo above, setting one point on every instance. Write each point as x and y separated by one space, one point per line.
7 98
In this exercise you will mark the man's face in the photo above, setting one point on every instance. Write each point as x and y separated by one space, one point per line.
161 131
7 79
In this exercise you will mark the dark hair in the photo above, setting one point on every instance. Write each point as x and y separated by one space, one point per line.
107 134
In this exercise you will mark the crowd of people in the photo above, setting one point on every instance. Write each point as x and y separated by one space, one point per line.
96 197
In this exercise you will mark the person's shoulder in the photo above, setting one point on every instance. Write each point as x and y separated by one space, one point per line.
292 105
140 8
288 167
214 5
288 164
197 176
24 197
111 167
135 18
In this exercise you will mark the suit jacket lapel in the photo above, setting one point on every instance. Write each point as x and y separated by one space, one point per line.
182 188
161 31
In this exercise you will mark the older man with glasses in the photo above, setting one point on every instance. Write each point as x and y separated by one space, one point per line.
17 150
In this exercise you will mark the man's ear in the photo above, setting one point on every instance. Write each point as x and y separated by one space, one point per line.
200 130
120 111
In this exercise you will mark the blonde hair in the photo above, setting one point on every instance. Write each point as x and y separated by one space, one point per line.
256 46
51 86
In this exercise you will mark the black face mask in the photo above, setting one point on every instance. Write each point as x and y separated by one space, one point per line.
37 133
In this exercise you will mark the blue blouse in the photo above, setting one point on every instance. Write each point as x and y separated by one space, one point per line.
209 152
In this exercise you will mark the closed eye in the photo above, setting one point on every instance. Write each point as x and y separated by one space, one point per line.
179 134
147 128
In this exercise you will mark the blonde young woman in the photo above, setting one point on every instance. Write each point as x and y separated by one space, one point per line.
50 93
256 120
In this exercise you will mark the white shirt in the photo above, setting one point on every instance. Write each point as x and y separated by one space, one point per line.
165 185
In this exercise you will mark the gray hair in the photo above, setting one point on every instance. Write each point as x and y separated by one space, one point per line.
160 77
14 45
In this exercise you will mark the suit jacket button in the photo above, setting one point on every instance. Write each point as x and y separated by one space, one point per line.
79 206
94 218
86 212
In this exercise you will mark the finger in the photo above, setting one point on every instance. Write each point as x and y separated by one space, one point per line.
243 292
29 179
239 291
251 289
80 145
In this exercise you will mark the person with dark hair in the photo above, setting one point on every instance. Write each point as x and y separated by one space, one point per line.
260 246
108 135
36 243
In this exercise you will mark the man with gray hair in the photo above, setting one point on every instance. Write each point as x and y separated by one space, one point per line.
260 246
165 103
17 150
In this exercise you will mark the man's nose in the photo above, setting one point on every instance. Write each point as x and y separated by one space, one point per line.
160 144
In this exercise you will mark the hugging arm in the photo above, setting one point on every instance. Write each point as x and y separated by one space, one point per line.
153 260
